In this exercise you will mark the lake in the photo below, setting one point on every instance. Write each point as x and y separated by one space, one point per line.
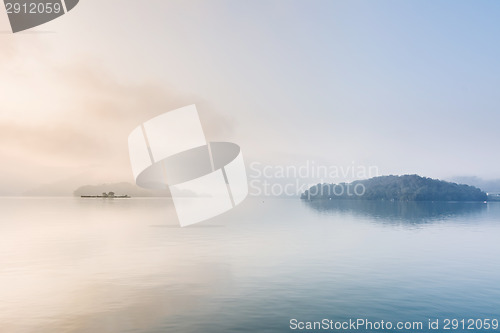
124 265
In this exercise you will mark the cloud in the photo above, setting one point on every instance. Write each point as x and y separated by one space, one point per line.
63 119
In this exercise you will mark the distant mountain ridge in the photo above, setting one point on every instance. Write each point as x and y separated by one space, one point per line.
487 185
396 188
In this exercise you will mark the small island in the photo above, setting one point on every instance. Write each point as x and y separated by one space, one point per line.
109 195
396 188
129 189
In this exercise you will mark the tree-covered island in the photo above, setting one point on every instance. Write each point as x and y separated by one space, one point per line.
396 188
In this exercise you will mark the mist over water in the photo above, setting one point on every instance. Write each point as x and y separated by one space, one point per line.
75 265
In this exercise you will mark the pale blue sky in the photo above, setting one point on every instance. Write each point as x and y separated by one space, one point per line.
409 86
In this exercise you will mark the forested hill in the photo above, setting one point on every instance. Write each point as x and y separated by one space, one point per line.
396 188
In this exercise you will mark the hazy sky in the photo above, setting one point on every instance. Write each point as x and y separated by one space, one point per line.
408 86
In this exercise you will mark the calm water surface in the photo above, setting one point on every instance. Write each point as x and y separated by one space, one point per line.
87 265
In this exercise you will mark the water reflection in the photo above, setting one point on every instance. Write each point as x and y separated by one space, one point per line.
70 265
415 212
83 266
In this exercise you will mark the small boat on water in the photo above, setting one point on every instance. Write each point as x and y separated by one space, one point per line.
109 195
